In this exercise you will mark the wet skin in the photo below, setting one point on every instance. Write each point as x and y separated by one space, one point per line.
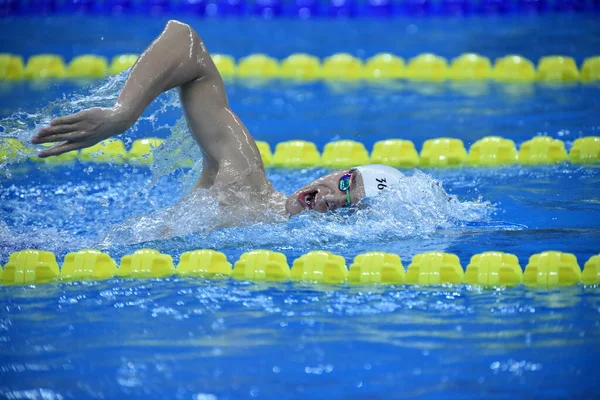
324 194
179 58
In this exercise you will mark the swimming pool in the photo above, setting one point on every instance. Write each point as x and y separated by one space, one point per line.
193 338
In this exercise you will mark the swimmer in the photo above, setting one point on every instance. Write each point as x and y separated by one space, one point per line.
231 160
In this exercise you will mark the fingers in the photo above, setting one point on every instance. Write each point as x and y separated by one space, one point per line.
67 120
61 148
47 134
58 126
63 137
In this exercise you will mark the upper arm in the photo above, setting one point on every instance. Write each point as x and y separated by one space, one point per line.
220 133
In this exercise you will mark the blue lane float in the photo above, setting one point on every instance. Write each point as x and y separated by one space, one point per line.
493 7
78 6
380 8
267 8
532 6
457 7
295 8
341 8
305 8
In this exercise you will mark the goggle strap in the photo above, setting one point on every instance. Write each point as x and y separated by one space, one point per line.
344 185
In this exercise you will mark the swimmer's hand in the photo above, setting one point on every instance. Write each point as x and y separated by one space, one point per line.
80 130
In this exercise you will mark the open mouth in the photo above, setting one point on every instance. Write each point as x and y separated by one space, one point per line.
308 198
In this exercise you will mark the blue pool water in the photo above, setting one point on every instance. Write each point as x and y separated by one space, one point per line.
190 338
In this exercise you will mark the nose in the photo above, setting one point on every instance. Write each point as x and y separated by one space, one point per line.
331 202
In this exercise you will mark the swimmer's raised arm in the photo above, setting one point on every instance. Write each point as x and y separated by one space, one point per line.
176 58
162 66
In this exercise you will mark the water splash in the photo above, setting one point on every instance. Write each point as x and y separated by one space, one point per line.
417 208
199 213
178 151
24 125
45 238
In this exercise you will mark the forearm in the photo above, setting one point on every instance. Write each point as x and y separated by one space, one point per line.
174 58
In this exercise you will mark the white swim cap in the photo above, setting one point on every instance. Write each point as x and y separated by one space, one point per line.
378 177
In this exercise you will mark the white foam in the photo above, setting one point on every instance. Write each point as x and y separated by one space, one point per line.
416 208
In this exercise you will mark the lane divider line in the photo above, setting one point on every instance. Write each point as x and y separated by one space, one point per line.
490 151
489 269
426 67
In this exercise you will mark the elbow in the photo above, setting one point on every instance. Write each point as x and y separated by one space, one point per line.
180 29
173 24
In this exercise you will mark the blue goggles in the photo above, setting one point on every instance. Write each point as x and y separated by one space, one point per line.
344 185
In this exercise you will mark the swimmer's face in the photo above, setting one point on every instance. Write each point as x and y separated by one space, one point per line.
324 194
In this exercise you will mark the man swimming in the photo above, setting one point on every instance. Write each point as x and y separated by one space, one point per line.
178 58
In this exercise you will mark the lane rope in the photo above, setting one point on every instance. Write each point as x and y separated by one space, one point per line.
488 269
301 9
489 151
426 67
